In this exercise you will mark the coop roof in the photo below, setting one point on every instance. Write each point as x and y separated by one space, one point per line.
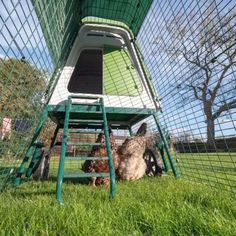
60 20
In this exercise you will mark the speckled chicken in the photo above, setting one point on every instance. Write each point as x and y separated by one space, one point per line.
131 163
101 165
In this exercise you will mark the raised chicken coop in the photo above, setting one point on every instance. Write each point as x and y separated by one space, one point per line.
78 78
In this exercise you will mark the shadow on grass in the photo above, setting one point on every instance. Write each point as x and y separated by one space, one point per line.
31 193
38 189
83 181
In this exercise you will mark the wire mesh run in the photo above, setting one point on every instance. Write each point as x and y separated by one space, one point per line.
190 50
179 58
25 69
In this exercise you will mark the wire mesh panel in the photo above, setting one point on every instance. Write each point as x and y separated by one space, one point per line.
174 57
25 68
190 50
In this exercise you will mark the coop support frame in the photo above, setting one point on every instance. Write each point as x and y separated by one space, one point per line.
37 152
38 149
109 152
63 153
166 146
29 151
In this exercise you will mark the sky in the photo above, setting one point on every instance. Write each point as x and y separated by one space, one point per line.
21 34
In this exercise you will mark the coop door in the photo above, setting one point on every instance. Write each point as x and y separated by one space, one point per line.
87 75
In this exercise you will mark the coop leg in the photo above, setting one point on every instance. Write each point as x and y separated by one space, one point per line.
29 151
161 150
37 152
166 146
54 137
109 152
63 152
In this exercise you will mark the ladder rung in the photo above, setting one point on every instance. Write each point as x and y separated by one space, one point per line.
84 97
84 143
87 104
87 112
86 121
85 175
85 131
70 158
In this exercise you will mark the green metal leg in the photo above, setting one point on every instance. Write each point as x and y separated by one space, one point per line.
54 137
109 152
164 161
63 153
29 151
166 146
37 151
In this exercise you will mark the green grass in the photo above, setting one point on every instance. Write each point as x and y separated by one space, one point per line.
217 169
224 160
150 206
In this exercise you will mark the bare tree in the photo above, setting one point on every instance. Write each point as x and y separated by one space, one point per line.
207 43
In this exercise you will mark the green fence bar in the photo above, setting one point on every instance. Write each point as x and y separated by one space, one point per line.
166 146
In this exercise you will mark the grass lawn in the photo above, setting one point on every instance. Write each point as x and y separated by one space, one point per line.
150 206
217 169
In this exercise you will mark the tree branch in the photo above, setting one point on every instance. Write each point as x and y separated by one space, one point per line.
197 63
225 107
222 76
196 92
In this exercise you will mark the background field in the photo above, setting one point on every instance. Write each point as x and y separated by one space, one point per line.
215 169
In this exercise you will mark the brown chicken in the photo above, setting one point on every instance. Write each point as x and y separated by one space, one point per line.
131 163
101 165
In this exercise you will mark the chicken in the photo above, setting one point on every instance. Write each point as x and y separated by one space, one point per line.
101 165
131 163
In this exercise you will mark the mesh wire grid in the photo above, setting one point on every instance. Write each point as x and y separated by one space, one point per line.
190 53
187 46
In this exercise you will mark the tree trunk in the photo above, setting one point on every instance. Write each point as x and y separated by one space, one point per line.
210 124
210 132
